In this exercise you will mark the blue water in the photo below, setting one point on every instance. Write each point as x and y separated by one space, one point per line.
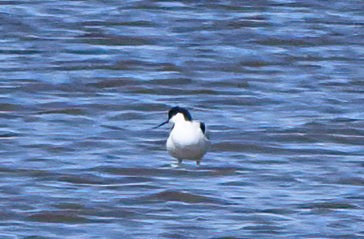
279 85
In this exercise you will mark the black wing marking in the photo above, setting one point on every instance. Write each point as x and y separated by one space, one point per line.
202 127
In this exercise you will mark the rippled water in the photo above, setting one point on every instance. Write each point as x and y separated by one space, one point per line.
279 84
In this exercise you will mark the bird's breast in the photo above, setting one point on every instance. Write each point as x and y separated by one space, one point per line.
186 135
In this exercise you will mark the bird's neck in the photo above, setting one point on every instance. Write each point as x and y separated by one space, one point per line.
182 123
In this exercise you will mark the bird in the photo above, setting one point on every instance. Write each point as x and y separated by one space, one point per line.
187 138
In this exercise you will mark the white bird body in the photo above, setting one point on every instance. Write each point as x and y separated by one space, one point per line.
187 139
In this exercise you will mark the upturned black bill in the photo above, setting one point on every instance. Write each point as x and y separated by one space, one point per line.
165 122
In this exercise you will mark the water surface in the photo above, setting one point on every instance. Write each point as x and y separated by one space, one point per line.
278 83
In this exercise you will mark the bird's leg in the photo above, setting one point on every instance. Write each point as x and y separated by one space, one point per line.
198 162
179 161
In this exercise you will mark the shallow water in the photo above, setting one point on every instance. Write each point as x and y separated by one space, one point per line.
278 83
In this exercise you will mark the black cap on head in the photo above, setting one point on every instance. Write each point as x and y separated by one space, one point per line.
175 110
